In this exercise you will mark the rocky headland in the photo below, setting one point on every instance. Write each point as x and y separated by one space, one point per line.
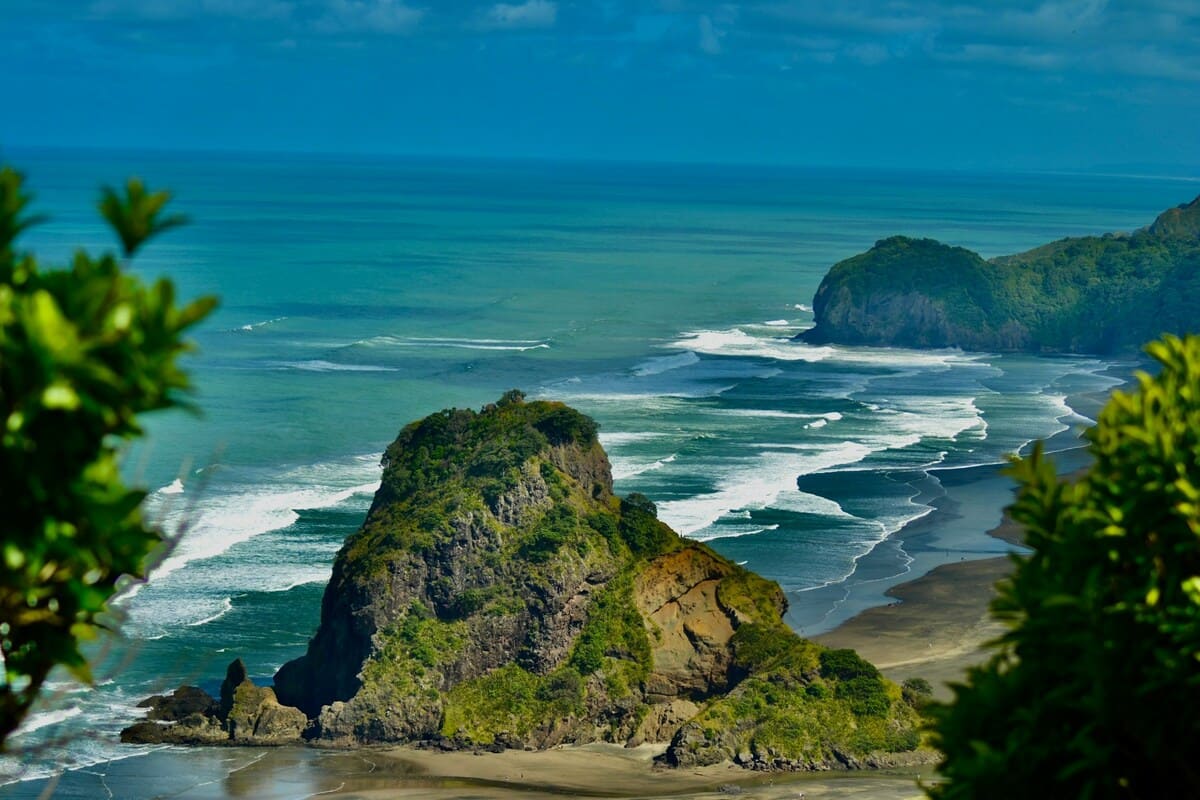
499 595
1093 294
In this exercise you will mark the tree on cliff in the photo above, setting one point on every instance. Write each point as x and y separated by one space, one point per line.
1094 691
83 352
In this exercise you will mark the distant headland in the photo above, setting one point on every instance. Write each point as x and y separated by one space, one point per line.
1092 294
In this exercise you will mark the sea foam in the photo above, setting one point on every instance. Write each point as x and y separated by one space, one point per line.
755 483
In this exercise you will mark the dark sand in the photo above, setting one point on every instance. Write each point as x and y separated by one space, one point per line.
936 628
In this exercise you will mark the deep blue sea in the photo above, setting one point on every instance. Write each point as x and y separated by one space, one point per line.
359 294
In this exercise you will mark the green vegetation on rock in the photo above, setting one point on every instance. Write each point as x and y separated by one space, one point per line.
1094 691
498 593
1092 294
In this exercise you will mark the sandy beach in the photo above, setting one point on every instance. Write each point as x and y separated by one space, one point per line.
937 626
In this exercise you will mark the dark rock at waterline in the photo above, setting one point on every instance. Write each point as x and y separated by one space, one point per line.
182 703
245 715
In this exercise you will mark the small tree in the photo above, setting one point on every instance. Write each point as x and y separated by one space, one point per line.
1094 691
83 352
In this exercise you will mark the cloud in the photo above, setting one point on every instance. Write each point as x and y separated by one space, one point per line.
368 16
1026 57
178 10
530 14
710 38
869 53
1136 40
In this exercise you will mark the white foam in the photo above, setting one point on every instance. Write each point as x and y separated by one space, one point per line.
174 487
628 467
737 342
321 365
756 483
931 417
519 345
618 439
42 719
215 521
728 532
253 326
831 416
802 307
226 607
819 423
222 522
776 323
657 366
561 392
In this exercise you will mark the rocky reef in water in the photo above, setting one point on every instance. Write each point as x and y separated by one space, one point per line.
243 714
1093 294
500 595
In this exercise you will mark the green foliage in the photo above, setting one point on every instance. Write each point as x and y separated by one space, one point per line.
1093 294
614 629
563 425
799 701
846 665
917 692
137 215
556 527
640 528
858 682
753 597
783 713
510 700
1094 691
83 352
458 463
414 648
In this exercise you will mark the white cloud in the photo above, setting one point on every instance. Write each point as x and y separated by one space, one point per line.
869 53
530 14
171 10
368 16
710 38
1017 56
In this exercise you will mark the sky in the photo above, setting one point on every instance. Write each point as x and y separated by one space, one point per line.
954 84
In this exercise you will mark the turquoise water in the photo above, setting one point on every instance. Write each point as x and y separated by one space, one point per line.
360 294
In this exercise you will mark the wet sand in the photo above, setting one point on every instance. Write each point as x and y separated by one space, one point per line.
600 771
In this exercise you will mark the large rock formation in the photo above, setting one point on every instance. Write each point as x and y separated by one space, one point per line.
1094 294
245 714
499 594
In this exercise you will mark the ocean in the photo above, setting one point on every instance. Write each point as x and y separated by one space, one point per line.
358 294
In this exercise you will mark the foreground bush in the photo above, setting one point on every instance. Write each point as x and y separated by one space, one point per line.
1094 692
83 352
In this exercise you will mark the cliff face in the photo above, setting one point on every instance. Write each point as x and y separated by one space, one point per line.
1095 294
499 593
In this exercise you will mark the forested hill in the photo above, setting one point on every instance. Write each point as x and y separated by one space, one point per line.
1091 294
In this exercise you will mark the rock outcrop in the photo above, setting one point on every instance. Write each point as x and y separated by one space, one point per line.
1095 294
246 714
500 594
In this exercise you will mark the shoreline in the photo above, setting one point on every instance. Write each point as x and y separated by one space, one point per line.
947 608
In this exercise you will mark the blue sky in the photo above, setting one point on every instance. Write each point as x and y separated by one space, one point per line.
1070 84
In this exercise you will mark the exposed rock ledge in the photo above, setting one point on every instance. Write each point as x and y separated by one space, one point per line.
245 715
